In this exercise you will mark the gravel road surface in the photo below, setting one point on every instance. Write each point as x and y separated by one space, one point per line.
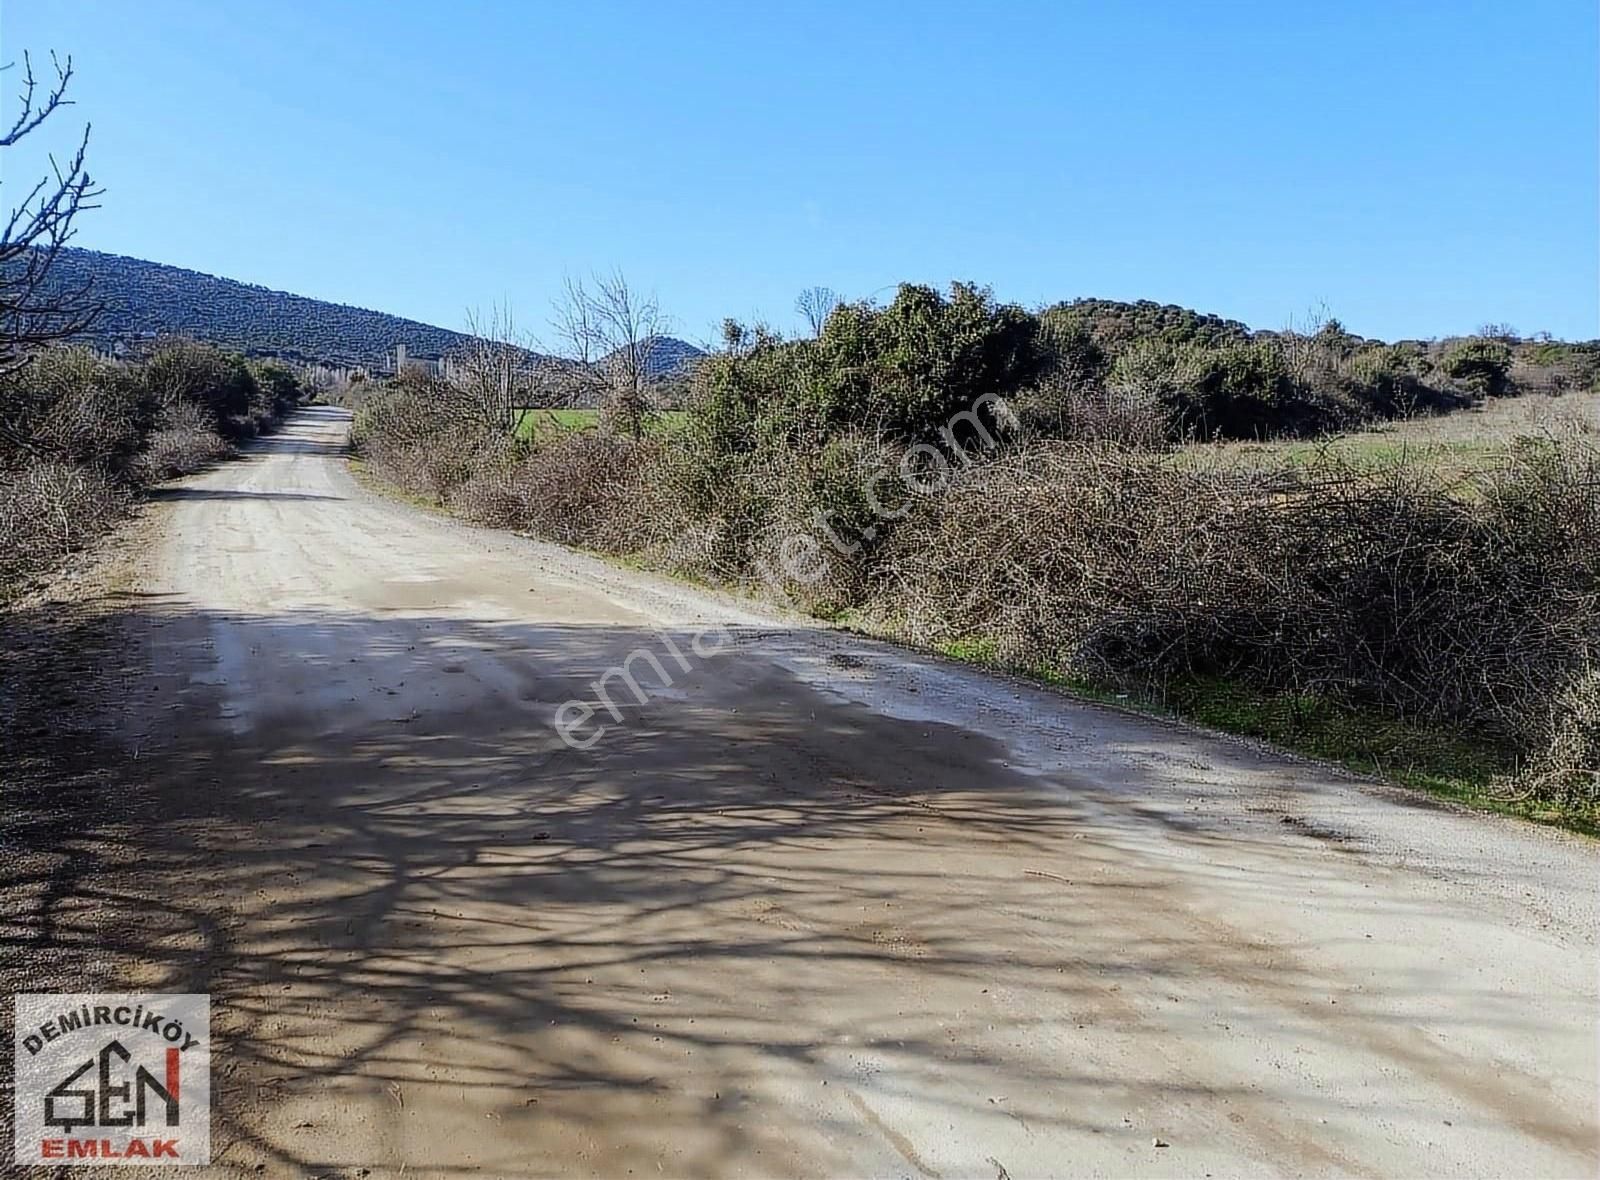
817 906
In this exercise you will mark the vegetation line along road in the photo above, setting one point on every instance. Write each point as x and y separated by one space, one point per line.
862 892
509 847
1379 554
1281 534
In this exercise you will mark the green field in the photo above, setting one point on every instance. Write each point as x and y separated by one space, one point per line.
532 423
544 423
1458 444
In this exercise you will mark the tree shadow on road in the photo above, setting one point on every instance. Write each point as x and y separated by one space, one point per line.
417 909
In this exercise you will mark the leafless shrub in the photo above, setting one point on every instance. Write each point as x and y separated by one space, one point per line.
1048 550
1386 587
1565 767
49 509
1092 411
447 460
491 376
582 488
815 305
416 438
71 405
606 330
817 533
185 442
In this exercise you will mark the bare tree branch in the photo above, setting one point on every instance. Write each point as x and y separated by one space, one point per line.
815 305
490 377
608 332
30 116
33 310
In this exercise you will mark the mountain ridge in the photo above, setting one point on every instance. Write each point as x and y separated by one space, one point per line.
144 300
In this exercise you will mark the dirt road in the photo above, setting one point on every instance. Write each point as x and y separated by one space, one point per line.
817 907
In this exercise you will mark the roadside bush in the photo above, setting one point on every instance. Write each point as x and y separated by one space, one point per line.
582 488
181 370
49 509
243 398
1088 545
279 389
818 535
183 443
403 432
73 406
1565 767
79 434
1388 588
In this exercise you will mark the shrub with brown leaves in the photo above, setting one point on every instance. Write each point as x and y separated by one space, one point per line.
581 488
1392 588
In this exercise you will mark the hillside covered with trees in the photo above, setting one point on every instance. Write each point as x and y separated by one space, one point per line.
141 301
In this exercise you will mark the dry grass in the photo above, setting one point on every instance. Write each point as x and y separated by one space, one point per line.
1458 446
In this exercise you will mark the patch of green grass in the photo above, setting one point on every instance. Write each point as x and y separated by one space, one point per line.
544 423
971 651
1443 760
1448 762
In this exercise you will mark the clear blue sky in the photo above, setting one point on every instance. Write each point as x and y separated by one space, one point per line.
1418 168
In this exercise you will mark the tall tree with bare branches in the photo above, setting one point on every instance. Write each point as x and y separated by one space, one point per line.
815 305
489 377
608 331
33 310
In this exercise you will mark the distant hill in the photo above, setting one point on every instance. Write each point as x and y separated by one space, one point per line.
667 356
144 300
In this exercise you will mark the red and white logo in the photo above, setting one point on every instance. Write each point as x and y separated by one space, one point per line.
113 1079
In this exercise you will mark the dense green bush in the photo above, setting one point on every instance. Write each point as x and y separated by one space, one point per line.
1086 370
1113 325
242 397
908 368
902 371
1482 365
